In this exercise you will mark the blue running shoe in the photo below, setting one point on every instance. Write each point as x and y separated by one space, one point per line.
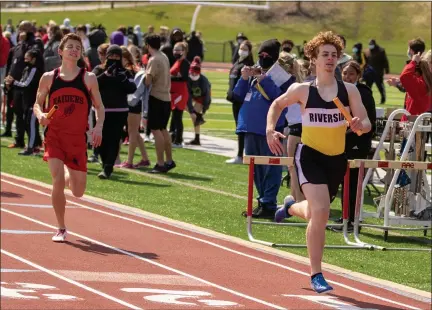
282 212
319 284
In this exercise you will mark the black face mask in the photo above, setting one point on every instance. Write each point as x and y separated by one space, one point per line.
177 56
28 63
287 49
266 62
111 62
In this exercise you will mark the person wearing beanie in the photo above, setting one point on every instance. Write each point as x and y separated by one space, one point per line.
118 38
199 97
257 90
115 84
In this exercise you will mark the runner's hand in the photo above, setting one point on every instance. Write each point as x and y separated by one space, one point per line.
43 120
273 141
356 125
97 136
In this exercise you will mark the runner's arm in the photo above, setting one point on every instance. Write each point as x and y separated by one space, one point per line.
358 109
96 99
294 94
41 95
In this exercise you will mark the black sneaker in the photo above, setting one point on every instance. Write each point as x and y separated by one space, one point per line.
159 169
26 152
102 175
170 166
193 142
350 228
261 212
6 134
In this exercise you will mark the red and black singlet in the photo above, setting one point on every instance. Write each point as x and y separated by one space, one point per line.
74 103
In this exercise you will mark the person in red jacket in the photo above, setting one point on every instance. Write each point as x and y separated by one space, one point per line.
179 91
4 52
416 78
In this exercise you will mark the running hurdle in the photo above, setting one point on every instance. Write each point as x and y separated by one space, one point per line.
361 164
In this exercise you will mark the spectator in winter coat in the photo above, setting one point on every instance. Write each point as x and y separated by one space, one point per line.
15 70
28 86
115 84
179 92
416 78
51 56
377 59
199 97
195 47
257 91
176 36
245 59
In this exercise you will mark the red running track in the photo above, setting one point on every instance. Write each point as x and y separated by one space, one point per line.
114 260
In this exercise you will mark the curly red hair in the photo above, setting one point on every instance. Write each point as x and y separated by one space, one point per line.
311 48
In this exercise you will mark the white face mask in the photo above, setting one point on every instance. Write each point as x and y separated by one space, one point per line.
243 54
194 77
371 47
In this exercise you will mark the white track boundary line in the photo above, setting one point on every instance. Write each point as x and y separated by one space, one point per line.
221 247
151 262
54 274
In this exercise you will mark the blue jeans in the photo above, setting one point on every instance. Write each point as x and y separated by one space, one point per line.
267 178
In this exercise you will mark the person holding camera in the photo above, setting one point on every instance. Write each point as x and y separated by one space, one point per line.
115 83
257 91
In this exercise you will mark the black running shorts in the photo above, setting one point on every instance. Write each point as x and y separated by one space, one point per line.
158 113
317 168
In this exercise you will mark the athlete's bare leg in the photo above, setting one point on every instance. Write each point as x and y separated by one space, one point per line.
58 198
77 182
316 210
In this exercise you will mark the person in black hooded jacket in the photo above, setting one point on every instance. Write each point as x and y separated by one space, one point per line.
115 84
357 147
245 58
176 36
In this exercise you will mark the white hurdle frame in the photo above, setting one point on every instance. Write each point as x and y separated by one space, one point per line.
417 126
361 164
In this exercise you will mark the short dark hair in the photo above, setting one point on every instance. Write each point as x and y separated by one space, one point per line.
343 39
286 42
417 45
154 41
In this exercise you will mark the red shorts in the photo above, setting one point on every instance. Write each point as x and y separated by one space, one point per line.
70 149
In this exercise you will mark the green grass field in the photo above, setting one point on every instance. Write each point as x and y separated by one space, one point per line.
221 212
219 25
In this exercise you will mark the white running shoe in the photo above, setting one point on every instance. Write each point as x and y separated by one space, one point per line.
60 235
235 160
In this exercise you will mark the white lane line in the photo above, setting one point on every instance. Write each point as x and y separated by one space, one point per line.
218 246
54 274
150 262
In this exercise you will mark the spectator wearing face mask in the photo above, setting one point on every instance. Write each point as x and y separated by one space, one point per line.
257 91
28 86
176 36
199 97
235 48
245 59
15 70
115 83
377 59
179 92
360 57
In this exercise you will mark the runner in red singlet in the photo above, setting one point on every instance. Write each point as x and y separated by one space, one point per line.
73 90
